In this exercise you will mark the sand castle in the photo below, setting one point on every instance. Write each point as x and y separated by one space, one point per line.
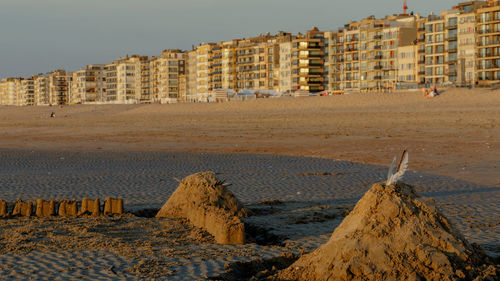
3 208
393 234
207 203
63 208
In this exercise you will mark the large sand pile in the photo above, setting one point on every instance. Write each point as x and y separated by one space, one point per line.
392 234
207 203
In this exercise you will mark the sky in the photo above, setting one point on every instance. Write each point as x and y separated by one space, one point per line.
37 36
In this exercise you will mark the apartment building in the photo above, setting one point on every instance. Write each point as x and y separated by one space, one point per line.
27 94
10 91
399 42
285 67
308 61
352 54
407 66
60 87
229 64
488 44
191 75
215 68
435 51
204 53
334 60
89 84
420 55
41 84
146 82
466 39
167 73
124 79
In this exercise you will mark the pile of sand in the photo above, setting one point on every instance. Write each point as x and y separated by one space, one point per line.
392 234
206 202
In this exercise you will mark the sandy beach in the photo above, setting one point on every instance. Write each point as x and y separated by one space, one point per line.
300 164
455 134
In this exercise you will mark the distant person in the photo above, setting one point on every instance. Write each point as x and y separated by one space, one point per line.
53 114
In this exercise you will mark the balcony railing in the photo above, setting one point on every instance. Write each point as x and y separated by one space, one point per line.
488 43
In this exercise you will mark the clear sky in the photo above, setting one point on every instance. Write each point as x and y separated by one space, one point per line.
43 35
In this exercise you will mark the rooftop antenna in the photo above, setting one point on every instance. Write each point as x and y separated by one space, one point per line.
405 8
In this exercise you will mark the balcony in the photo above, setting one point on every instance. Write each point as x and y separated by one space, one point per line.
488 43
451 38
451 26
378 67
421 29
379 57
421 61
378 77
421 51
421 73
378 47
483 31
377 37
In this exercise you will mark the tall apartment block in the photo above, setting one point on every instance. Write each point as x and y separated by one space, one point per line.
27 95
41 83
307 65
89 84
167 76
229 65
124 79
10 91
488 44
59 86
466 40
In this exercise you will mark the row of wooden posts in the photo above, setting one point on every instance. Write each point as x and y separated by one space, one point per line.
63 208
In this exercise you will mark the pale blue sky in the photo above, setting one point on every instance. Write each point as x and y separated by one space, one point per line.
43 35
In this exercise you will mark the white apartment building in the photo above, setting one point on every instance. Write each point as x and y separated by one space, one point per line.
285 67
89 85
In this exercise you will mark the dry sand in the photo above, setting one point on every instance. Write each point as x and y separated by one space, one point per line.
456 134
136 151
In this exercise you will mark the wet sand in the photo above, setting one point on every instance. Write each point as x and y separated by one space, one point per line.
299 199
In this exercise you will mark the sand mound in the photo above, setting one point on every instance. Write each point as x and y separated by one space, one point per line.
392 234
207 203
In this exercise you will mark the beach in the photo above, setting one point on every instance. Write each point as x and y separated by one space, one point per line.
455 134
300 164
